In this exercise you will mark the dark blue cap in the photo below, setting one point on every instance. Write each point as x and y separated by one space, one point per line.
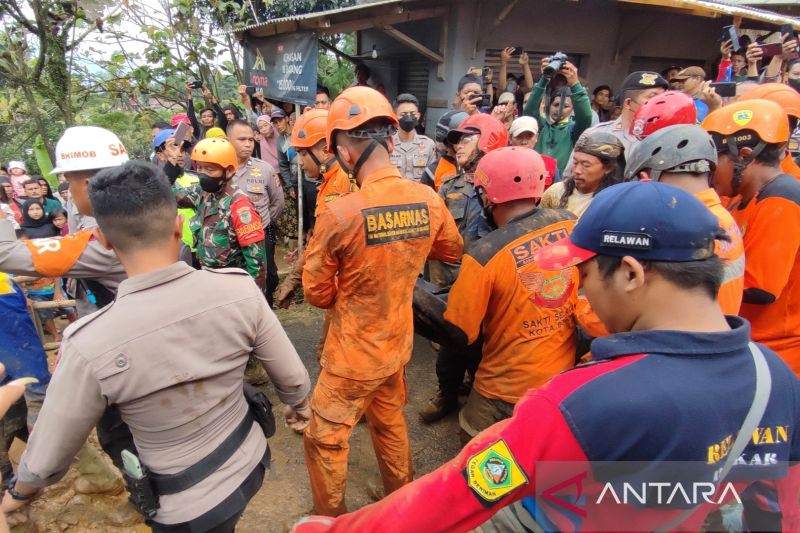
161 137
646 220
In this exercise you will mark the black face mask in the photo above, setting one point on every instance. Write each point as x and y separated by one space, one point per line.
794 84
209 184
408 123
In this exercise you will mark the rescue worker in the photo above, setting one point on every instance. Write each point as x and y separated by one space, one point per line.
522 349
413 153
750 137
477 136
182 178
685 157
645 252
80 153
362 261
443 168
261 183
158 354
789 100
662 110
227 227
319 164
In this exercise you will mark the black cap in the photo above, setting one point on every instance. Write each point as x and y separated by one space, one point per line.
643 79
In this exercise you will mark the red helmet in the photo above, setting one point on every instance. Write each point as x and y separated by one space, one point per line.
666 109
494 134
511 173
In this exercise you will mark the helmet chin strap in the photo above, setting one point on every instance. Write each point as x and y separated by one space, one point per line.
352 173
740 163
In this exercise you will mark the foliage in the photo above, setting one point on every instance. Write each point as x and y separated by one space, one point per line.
333 72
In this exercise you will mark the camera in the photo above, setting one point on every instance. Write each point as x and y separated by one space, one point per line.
557 61
197 84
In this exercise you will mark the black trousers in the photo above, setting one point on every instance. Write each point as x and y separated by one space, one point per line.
224 517
272 268
452 363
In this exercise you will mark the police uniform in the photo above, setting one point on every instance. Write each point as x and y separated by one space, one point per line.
262 184
412 158
157 353
259 181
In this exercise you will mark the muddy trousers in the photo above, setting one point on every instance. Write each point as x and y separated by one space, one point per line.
337 404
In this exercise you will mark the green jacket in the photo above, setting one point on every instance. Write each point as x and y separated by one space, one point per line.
185 181
557 140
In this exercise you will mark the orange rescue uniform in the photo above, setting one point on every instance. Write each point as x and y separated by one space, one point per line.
732 253
526 314
770 225
362 261
790 167
444 171
335 183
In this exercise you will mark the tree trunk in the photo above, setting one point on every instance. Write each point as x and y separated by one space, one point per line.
37 118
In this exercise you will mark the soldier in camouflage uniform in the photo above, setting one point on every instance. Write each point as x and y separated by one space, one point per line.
227 228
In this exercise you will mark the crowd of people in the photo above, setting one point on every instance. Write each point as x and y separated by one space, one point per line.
581 262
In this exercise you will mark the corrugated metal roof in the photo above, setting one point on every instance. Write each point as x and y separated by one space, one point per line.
318 14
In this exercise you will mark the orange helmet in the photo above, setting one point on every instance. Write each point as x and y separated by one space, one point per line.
218 151
754 120
781 94
310 128
355 107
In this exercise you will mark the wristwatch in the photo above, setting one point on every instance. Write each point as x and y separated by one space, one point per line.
12 481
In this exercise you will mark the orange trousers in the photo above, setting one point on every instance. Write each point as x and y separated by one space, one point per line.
337 405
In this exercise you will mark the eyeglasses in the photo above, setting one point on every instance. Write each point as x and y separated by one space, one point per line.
468 138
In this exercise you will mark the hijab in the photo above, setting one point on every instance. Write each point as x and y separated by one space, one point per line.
36 229
269 147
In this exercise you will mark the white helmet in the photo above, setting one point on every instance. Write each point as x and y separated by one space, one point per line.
88 148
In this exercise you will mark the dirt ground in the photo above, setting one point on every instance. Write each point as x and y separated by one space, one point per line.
285 495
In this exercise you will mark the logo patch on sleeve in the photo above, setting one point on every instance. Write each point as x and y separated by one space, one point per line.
493 472
396 223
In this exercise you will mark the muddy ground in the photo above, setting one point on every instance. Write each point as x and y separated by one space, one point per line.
285 495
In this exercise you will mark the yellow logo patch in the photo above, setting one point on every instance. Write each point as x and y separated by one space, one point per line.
743 117
494 472
648 78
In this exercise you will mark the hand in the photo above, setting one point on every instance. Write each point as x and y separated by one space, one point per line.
505 55
753 54
292 194
709 95
789 48
207 93
471 103
242 90
570 72
474 71
523 58
172 150
258 95
545 62
189 90
297 417
285 295
726 48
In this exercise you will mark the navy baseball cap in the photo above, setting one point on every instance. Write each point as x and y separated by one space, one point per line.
646 220
161 137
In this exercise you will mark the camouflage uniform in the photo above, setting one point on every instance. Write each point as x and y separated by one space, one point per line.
227 229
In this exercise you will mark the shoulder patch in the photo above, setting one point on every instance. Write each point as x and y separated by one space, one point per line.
393 223
484 249
493 472
245 222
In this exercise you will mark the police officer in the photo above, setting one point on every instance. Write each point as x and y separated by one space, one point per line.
443 168
412 152
362 261
157 353
261 183
645 252
227 228
80 153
